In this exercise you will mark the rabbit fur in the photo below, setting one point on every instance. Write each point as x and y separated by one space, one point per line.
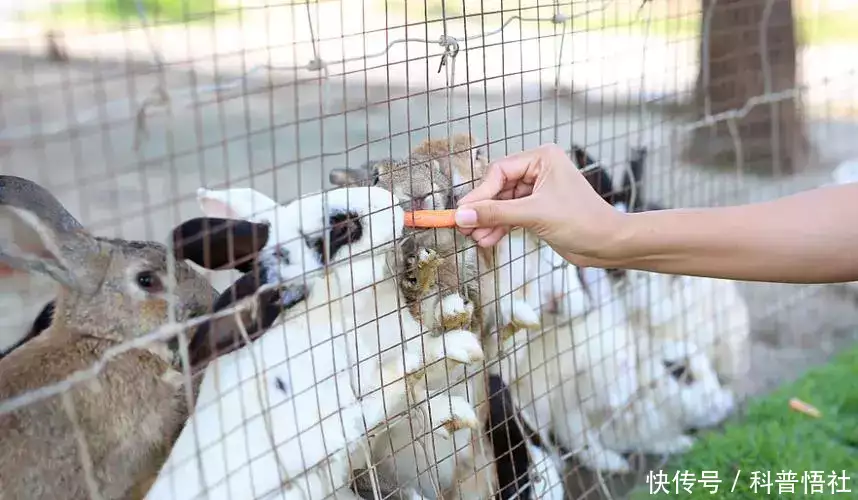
526 467
681 392
109 291
349 260
711 312
587 362
439 269
433 178
25 294
678 390
387 303
708 311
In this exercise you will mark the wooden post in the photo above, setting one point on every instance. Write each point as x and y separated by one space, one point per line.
732 71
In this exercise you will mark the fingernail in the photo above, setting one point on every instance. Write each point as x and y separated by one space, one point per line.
466 217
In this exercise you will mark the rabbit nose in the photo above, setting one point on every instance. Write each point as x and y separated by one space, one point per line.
418 203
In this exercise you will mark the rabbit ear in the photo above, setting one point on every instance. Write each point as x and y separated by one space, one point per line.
348 176
30 244
214 206
219 336
237 203
216 243
24 193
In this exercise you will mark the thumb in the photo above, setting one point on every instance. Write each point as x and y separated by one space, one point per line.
492 213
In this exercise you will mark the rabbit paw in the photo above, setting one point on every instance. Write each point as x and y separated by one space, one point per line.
462 346
453 413
516 316
679 444
454 313
605 460
427 263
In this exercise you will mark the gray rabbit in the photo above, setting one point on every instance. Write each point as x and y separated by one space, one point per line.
439 269
109 291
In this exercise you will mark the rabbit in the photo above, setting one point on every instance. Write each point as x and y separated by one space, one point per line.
681 392
709 311
427 181
110 291
27 305
347 243
241 201
519 451
439 269
585 363
362 486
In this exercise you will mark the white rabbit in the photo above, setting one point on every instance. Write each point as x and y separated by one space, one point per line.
548 468
587 363
560 286
710 312
382 329
509 284
682 392
316 421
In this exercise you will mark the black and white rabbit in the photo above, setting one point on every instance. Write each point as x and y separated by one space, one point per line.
709 312
526 468
293 385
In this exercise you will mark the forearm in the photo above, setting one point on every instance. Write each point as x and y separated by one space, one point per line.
811 237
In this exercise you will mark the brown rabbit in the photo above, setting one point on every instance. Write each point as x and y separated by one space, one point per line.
26 306
110 291
439 275
438 267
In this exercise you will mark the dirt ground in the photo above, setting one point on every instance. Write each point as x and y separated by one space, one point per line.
274 140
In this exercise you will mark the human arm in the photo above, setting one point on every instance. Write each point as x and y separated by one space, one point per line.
810 237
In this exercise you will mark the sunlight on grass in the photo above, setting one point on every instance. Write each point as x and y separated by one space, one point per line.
772 438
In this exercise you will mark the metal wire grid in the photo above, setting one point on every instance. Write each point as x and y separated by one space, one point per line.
452 46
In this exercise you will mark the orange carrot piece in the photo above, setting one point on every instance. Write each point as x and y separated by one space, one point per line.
6 271
430 218
802 407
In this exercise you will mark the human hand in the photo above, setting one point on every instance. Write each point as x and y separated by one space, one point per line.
540 190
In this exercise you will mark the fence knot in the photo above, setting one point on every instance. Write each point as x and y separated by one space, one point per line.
451 49
316 64
559 18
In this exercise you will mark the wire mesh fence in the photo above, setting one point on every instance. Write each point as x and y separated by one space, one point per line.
210 289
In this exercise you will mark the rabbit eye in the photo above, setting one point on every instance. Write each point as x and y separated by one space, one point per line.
282 254
679 372
149 282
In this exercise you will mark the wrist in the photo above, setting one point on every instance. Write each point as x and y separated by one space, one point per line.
623 245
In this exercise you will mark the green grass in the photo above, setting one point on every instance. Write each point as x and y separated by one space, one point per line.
125 11
813 29
772 438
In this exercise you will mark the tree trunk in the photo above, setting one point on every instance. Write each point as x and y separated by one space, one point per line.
772 136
